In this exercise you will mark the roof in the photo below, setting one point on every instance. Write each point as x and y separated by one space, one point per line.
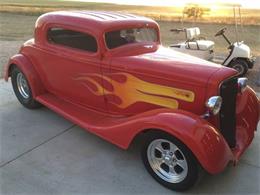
98 20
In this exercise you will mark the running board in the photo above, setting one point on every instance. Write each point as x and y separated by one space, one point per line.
76 114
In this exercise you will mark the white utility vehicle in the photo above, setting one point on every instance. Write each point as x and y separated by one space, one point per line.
239 56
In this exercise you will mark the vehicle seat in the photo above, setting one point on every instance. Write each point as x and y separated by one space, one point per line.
195 42
192 33
200 44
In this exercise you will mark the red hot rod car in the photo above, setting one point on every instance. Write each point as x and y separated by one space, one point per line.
109 73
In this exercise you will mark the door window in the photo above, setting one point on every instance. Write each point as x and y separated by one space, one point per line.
72 39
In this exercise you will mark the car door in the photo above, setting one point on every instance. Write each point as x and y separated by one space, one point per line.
69 64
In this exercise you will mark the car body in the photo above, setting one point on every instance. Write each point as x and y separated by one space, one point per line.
134 89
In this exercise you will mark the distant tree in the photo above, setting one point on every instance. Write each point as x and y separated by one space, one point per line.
195 11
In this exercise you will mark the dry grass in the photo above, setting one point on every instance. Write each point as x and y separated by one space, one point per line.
33 7
17 28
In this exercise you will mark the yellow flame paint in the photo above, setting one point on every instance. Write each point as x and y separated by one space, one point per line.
134 90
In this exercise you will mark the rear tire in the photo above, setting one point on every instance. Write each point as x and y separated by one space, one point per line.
240 65
169 161
22 89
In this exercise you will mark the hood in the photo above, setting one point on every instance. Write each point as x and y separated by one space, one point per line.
169 64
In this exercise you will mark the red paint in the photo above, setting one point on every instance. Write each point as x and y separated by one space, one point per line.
55 75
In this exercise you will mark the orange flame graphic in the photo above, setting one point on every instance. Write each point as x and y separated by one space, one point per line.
133 90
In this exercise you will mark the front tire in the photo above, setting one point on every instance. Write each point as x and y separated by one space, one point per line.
169 161
240 65
22 89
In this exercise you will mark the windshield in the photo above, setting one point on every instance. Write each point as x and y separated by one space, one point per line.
131 35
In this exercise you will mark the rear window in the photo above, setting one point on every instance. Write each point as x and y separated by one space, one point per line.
72 39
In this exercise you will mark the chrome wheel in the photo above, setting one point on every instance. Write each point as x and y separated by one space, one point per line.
167 161
22 85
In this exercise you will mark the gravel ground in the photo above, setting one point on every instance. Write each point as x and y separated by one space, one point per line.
8 49
15 29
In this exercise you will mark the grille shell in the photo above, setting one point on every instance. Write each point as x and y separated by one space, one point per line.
228 92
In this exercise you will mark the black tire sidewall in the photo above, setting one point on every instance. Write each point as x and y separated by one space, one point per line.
242 63
193 168
24 101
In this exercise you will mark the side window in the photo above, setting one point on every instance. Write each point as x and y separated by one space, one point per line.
73 39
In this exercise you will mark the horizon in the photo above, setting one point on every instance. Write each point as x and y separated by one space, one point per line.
208 3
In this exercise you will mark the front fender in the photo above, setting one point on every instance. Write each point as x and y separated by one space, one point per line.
24 64
203 139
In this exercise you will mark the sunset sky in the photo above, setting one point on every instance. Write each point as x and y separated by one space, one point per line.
244 3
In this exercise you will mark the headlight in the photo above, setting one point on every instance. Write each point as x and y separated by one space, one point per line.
214 104
242 84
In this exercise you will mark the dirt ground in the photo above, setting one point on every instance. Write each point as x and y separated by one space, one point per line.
15 29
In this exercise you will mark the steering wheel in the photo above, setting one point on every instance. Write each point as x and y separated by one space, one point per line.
221 32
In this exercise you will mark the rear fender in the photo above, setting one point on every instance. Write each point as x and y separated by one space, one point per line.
24 64
204 140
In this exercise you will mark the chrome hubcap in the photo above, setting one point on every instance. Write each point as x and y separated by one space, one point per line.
22 85
167 161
